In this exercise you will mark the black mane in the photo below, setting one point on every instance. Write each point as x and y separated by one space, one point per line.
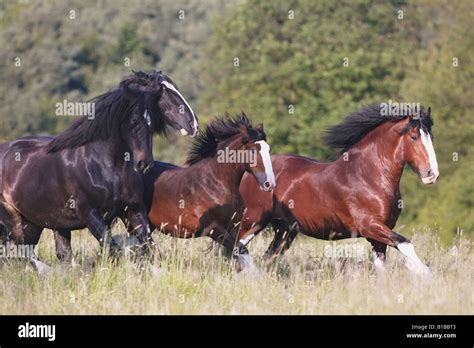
345 135
112 109
216 131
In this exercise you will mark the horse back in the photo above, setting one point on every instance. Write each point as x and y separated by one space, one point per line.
303 188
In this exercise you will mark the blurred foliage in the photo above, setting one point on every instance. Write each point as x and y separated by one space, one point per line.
281 61
286 63
443 77
75 50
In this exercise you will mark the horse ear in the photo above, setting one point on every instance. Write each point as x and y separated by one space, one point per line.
260 127
429 111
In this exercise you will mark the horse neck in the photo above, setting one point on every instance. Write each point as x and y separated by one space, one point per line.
379 152
114 150
225 174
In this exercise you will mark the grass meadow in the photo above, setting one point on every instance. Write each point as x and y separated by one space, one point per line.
192 279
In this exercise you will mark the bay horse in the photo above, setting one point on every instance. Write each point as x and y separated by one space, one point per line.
358 195
91 173
203 198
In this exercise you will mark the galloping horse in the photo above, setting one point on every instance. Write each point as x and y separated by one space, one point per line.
91 173
358 195
203 199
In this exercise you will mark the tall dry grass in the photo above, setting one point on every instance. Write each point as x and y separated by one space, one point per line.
194 281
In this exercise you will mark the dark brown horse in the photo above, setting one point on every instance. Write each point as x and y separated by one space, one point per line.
90 174
358 195
203 199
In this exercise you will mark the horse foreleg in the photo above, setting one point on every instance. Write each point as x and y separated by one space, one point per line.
62 239
232 248
246 234
284 236
100 230
383 234
138 225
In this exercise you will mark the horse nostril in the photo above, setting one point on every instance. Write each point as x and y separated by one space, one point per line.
430 173
267 185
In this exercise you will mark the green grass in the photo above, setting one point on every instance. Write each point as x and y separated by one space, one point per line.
193 281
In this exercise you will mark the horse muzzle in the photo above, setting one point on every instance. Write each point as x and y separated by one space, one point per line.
192 131
430 178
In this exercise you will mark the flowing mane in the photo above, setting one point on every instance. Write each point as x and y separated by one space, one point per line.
355 126
216 131
112 109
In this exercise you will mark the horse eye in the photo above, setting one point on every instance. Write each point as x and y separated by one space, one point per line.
414 137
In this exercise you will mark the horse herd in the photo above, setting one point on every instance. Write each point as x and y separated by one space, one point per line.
101 169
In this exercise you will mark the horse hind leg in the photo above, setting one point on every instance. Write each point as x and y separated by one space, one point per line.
379 251
20 232
32 234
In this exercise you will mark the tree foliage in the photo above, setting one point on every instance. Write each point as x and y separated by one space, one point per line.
299 66
291 55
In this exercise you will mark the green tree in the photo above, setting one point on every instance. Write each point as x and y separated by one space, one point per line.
321 60
443 79
269 58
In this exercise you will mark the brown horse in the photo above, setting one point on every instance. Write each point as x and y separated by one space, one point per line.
358 195
203 199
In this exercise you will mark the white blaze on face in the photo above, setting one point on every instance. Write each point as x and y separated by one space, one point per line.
267 161
426 140
195 122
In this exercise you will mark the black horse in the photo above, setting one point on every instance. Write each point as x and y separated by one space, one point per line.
91 173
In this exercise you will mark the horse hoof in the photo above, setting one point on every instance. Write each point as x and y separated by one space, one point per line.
245 265
422 271
42 268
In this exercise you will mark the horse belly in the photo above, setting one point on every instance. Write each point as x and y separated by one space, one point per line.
314 220
328 233
181 224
